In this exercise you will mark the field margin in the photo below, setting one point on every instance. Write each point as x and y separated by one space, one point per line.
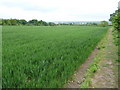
98 65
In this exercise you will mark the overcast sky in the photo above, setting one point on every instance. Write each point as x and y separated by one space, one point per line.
58 10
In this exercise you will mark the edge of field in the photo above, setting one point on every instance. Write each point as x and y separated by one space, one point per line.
103 72
81 77
100 70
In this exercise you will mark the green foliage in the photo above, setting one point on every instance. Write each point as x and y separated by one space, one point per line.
0 21
33 22
22 22
13 21
116 37
51 24
90 72
45 57
118 60
103 23
115 18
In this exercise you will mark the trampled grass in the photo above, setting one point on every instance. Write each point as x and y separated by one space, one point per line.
45 57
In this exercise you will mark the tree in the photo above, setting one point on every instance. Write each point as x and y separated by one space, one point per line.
0 21
115 19
22 22
33 22
51 24
40 22
6 22
104 23
13 21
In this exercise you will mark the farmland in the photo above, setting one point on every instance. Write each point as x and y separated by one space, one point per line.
45 56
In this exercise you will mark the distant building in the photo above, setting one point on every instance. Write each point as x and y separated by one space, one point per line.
119 5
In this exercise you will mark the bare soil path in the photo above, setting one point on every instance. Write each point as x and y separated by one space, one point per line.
107 75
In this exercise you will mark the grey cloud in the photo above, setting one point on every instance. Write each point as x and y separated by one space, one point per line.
28 6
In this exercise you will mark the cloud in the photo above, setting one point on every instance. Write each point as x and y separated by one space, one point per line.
58 10
27 6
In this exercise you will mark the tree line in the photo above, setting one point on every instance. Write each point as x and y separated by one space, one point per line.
34 22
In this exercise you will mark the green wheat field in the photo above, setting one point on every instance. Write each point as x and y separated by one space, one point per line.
45 56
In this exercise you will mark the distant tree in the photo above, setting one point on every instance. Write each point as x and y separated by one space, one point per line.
33 22
70 23
0 21
51 24
13 21
104 23
40 23
6 22
22 22
94 24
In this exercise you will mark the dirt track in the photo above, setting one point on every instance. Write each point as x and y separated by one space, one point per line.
107 74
